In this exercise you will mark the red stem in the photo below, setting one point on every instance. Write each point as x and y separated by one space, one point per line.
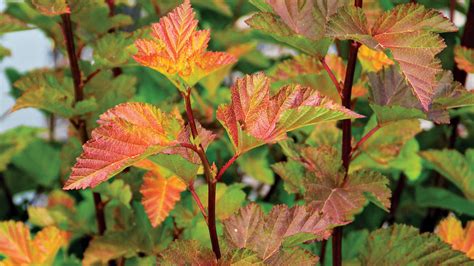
225 167
198 201
365 138
79 96
90 76
189 146
332 76
346 137
211 185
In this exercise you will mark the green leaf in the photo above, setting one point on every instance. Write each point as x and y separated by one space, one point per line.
111 245
271 24
93 20
292 173
296 239
255 164
176 164
219 6
13 141
433 197
386 143
50 91
455 167
108 92
140 237
141 261
117 190
241 257
228 198
4 52
300 25
113 50
404 245
9 23
40 161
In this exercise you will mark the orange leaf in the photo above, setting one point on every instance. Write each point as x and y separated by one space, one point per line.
464 58
60 198
127 134
450 231
47 242
15 242
178 50
373 60
160 194
17 246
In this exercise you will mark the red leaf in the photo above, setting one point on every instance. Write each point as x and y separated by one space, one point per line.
127 134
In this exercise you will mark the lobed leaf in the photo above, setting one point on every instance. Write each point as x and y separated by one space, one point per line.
265 234
48 90
317 172
113 50
271 24
464 58
391 100
450 230
159 195
404 245
341 199
128 133
301 25
254 118
16 244
409 32
178 50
